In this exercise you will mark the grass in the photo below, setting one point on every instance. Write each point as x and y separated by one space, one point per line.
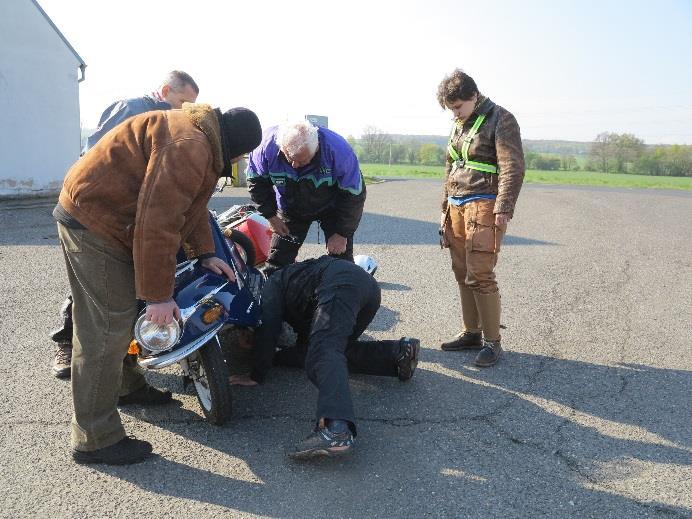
581 178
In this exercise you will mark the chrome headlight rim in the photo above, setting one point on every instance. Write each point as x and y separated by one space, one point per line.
140 325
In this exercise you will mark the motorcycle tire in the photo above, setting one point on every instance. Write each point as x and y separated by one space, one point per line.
245 246
211 382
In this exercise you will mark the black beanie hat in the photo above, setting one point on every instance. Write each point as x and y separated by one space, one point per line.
240 132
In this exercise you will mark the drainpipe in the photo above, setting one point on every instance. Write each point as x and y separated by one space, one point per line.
82 68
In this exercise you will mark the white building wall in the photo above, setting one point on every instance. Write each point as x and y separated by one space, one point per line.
39 103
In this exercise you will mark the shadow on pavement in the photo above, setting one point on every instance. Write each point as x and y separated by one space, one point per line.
479 439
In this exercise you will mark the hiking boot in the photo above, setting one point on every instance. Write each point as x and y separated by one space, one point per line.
338 441
127 451
408 357
146 395
489 355
63 360
464 341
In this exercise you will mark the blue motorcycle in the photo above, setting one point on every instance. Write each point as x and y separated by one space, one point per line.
209 303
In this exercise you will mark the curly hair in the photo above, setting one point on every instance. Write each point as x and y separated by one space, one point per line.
456 86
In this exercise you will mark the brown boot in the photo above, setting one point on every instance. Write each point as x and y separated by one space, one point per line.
63 360
489 355
489 310
469 311
464 341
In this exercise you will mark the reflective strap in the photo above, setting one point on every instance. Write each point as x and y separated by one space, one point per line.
471 164
450 149
480 166
469 137
452 152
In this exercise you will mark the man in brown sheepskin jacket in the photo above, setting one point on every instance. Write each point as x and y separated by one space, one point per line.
124 211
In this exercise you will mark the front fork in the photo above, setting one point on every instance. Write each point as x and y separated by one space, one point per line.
191 367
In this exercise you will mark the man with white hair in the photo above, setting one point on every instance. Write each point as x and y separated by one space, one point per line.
301 174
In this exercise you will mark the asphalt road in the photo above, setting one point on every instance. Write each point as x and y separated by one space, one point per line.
587 415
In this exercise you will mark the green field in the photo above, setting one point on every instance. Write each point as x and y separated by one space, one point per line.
582 178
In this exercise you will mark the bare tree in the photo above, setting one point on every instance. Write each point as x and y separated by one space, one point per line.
375 144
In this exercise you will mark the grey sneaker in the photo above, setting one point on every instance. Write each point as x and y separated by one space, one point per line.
323 443
489 355
63 360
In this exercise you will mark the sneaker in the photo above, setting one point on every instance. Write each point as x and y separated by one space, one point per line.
408 358
464 341
127 451
146 395
489 355
63 360
323 442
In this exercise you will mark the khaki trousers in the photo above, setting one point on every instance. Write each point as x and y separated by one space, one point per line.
101 277
474 243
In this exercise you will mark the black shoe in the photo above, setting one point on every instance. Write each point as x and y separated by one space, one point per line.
323 442
63 360
489 355
146 395
408 358
127 451
465 341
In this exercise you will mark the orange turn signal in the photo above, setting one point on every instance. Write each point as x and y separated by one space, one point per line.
134 348
212 314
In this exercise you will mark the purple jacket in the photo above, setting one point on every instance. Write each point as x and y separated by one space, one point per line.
332 182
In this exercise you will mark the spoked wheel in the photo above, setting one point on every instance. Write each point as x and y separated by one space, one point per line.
210 376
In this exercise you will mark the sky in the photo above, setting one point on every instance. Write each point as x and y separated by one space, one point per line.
567 70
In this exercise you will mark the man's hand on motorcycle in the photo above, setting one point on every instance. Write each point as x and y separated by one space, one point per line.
218 266
278 226
163 313
336 244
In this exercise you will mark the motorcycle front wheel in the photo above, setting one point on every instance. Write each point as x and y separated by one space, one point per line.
245 247
211 380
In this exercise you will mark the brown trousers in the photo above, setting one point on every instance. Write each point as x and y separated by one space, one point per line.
474 243
101 277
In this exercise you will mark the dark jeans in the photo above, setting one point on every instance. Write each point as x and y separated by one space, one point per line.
63 335
284 249
376 358
345 306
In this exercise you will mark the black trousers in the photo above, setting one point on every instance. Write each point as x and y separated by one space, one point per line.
63 335
284 249
346 304
377 358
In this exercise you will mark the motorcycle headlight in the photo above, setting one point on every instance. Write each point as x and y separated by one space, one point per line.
156 337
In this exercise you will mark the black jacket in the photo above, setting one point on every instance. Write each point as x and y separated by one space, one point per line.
293 293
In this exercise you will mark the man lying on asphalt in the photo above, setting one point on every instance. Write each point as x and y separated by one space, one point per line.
329 302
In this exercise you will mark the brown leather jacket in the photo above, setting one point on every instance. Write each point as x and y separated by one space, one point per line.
497 142
145 185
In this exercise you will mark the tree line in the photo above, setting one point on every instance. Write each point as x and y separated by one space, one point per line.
609 152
